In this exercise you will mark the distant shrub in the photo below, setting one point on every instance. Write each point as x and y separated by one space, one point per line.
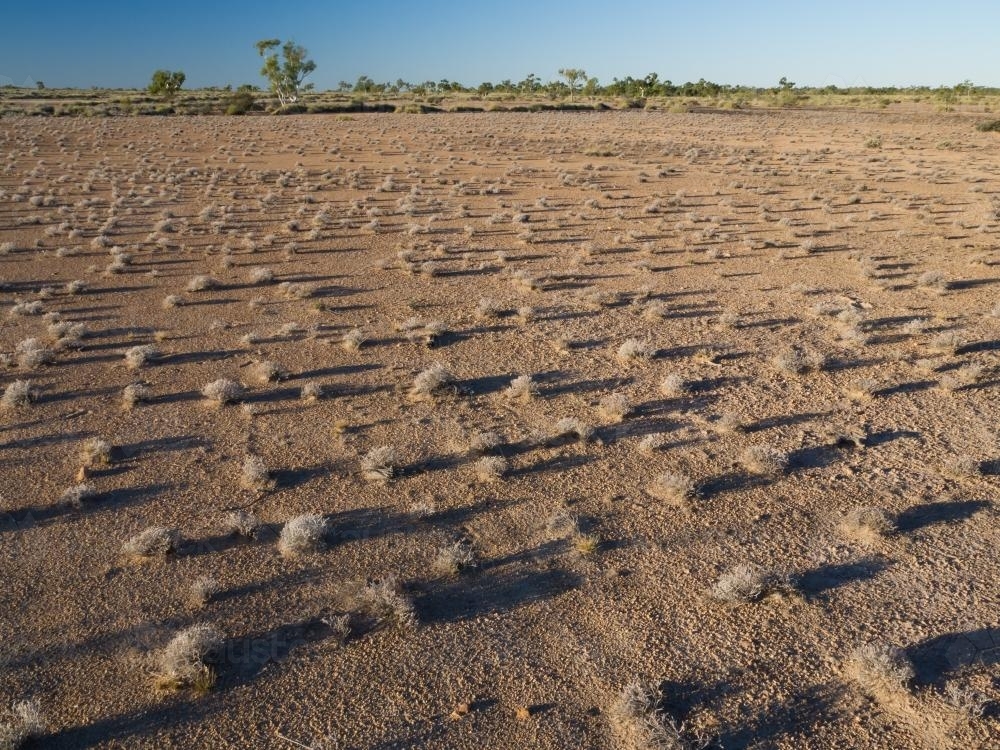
240 103
989 126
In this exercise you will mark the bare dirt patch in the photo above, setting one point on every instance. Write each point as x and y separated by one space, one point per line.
793 317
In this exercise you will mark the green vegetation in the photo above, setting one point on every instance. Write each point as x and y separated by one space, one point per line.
287 65
166 83
287 75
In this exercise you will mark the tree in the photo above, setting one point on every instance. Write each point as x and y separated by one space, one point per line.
166 83
572 75
40 85
285 76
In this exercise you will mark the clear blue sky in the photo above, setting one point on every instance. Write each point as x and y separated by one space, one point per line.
119 44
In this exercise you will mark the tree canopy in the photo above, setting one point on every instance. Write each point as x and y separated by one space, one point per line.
286 73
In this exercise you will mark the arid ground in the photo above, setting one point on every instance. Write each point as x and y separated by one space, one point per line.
748 496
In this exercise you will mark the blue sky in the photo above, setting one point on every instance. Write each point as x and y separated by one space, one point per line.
120 44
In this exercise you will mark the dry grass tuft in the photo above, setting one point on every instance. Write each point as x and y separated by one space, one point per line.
185 662
223 391
387 602
202 590
139 356
96 452
639 721
256 476
431 382
614 407
155 541
18 394
134 394
491 468
522 388
380 464
745 583
867 524
242 522
26 724
881 668
675 489
765 460
634 350
454 558
303 534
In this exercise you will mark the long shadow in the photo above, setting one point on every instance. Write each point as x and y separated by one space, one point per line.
971 283
555 463
732 481
938 658
912 387
323 372
875 439
811 707
287 479
485 384
491 591
929 514
54 439
980 346
584 386
815 456
206 356
176 398
785 420
824 578
164 445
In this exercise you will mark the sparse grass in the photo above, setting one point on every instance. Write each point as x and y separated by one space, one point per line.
155 541
745 583
303 534
485 442
256 476
19 394
311 391
431 382
797 361
639 721
387 602
186 661
867 524
673 386
353 340
764 460
76 495
635 350
202 284
265 372
522 388
96 452
881 668
562 524
242 523
140 356
202 590
672 488
571 428
491 468
454 558
26 724
223 391
614 407
380 464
